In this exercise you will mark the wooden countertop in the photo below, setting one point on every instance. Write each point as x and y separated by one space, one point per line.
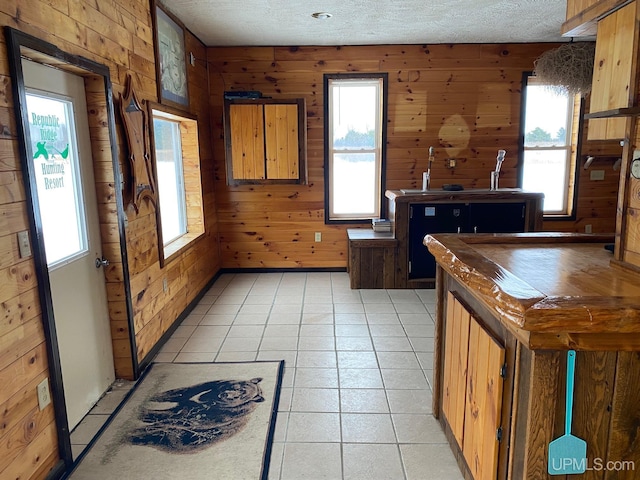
462 195
368 237
550 289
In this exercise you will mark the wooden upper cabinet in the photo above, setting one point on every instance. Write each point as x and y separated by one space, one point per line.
583 15
265 141
614 76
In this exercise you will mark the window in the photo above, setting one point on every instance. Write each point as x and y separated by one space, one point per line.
355 137
177 167
551 120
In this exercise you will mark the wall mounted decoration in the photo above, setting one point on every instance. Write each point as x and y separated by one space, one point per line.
568 67
171 61
142 184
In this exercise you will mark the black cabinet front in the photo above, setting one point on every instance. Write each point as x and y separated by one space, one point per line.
431 218
486 217
496 217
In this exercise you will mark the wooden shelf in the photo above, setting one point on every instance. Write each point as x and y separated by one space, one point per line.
616 112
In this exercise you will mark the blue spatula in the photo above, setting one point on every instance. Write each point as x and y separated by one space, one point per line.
568 454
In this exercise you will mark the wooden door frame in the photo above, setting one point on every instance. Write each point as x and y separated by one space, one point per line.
21 45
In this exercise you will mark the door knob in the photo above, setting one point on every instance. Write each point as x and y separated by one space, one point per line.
101 262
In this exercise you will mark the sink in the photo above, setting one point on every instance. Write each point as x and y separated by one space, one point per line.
469 190
487 190
414 190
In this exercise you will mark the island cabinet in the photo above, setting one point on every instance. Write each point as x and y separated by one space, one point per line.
371 258
509 308
467 211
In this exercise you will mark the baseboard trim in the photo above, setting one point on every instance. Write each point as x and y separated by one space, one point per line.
283 270
58 471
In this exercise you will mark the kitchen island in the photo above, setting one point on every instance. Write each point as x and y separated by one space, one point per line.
509 308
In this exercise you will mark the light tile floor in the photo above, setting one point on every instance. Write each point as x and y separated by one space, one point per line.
356 397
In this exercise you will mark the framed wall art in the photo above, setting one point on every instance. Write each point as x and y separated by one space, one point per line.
171 61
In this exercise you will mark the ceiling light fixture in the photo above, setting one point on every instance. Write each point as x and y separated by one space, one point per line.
321 15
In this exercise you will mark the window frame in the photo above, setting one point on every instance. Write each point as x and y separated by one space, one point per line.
576 114
331 218
191 180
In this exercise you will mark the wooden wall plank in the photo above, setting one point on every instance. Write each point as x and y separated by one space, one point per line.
117 34
429 85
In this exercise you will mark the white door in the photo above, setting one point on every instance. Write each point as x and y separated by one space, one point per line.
61 152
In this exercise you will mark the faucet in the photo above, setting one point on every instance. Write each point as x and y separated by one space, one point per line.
426 176
496 173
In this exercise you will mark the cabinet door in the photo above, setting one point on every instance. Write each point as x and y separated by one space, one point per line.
281 132
431 218
247 141
616 47
483 405
497 217
454 379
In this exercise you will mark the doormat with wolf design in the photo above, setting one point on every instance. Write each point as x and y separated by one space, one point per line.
190 420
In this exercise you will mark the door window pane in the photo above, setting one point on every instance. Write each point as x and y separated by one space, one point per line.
57 174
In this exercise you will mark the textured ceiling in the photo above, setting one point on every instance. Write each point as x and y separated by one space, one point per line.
369 22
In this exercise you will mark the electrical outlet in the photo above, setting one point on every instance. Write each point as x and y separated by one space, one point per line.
23 244
44 396
596 175
318 236
588 229
165 286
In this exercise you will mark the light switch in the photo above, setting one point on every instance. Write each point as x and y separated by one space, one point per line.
23 244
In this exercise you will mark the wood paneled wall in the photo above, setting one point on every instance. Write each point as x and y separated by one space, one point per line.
117 33
462 99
